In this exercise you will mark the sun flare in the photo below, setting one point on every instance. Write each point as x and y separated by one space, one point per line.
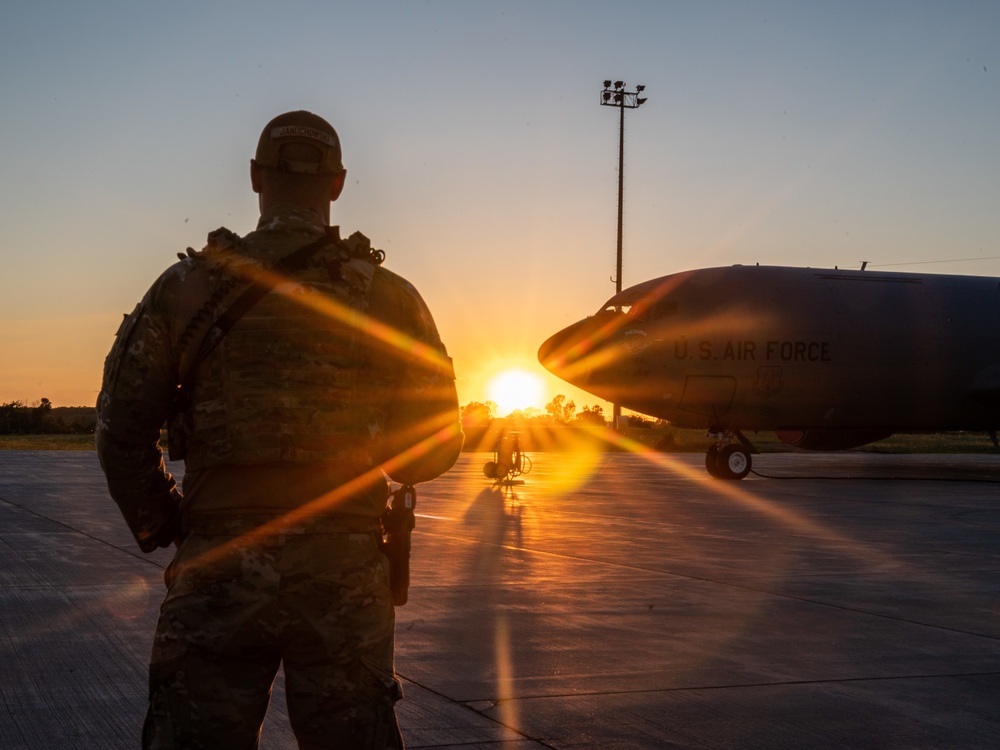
515 389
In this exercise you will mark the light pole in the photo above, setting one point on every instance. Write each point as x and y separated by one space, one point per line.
616 96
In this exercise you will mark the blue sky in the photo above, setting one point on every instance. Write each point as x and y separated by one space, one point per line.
478 157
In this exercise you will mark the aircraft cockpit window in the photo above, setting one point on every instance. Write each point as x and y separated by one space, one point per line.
654 310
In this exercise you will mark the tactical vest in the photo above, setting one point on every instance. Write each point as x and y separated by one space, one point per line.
290 381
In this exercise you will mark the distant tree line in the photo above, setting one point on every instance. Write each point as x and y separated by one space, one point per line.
480 420
19 418
558 411
561 421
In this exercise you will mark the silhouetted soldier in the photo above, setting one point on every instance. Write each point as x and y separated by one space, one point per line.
294 370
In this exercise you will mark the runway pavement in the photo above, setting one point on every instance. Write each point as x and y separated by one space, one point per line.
609 601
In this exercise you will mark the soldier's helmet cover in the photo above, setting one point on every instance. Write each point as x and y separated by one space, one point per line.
305 128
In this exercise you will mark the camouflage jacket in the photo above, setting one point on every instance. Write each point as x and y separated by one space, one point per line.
303 377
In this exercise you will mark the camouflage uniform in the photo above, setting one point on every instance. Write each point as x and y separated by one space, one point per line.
326 382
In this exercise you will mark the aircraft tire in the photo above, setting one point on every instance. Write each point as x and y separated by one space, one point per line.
712 460
490 469
733 462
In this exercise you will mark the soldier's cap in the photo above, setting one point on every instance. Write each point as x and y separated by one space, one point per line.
300 127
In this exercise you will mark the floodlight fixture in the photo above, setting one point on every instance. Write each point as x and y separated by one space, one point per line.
618 96
607 84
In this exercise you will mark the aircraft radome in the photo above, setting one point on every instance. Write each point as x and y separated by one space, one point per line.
827 359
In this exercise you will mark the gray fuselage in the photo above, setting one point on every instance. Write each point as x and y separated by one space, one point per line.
771 348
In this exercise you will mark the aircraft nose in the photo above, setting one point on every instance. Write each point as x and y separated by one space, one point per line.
548 352
561 353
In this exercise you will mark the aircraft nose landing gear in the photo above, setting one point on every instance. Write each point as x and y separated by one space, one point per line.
725 460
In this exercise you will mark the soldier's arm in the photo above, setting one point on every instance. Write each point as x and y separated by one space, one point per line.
423 432
139 381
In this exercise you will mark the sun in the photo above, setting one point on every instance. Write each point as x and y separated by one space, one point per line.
515 389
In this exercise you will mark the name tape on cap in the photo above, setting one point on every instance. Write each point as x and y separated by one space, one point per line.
301 131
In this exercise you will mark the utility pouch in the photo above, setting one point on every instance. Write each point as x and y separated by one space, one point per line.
397 523
177 435
178 429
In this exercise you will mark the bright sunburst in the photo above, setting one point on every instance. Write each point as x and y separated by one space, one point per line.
515 389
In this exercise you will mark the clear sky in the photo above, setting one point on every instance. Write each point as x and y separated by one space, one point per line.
478 157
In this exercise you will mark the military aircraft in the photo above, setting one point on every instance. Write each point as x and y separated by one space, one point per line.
827 359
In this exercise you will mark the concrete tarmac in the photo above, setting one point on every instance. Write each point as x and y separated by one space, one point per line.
608 601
